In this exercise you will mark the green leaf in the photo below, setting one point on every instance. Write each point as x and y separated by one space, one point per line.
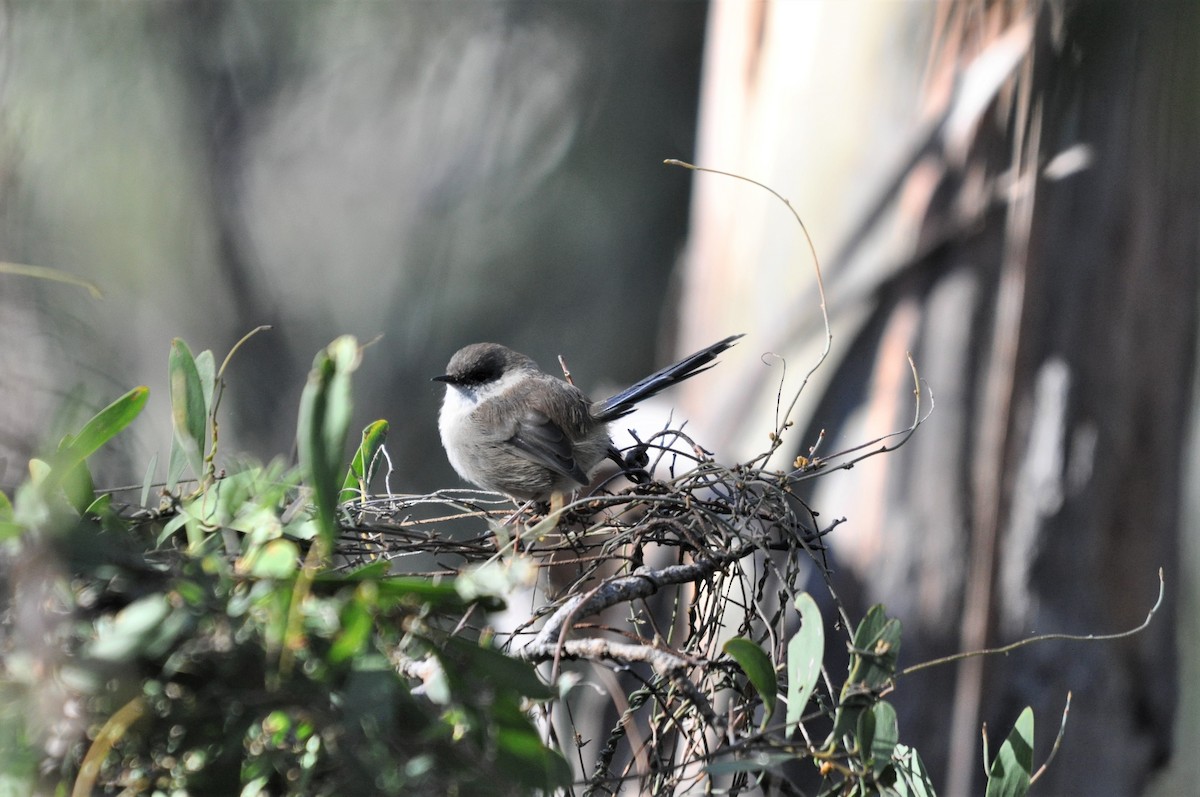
258 523
170 527
872 666
357 623
132 630
103 426
876 648
101 505
78 487
878 734
365 463
176 465
148 481
325 409
758 668
51 274
207 369
805 652
276 559
474 664
524 758
370 571
1010 773
189 408
411 591
912 779
39 472
255 786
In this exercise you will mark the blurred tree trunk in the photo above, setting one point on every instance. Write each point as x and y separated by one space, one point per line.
1036 250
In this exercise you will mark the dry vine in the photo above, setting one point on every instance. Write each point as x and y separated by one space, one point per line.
645 582
642 586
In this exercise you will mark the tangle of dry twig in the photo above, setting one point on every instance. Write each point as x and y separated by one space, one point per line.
647 581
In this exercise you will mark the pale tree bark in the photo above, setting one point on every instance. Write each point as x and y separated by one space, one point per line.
1034 244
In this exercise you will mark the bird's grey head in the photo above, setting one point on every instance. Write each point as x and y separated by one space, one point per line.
480 364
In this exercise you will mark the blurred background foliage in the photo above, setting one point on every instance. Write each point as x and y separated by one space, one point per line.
197 641
435 173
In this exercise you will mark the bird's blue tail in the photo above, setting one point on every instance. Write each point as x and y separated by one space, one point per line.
624 402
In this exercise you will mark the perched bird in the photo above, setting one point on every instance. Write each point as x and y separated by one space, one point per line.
509 427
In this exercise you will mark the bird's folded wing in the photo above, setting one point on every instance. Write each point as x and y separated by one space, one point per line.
544 442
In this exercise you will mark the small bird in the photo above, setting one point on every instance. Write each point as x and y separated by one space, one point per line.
508 426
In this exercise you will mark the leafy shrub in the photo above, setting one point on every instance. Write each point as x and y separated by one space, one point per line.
247 633
210 649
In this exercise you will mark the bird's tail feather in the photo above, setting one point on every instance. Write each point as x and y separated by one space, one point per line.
623 403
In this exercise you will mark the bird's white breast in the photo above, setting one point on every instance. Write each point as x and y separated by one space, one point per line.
454 424
460 429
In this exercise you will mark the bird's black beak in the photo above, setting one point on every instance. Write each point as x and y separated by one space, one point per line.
443 378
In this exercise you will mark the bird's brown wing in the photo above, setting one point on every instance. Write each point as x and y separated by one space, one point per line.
543 441
556 414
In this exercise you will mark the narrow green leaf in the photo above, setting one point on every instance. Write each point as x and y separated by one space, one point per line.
368 572
912 779
805 652
148 481
170 527
415 591
865 731
758 668
177 463
103 427
100 505
324 422
885 735
365 463
206 369
189 409
64 468
1010 773
51 274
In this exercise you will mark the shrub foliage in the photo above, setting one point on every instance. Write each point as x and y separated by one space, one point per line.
247 629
